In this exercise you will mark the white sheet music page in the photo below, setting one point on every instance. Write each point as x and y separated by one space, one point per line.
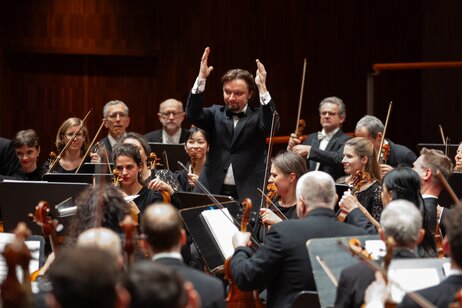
222 229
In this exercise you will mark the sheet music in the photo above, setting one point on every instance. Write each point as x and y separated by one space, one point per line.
222 229
34 247
376 248
412 279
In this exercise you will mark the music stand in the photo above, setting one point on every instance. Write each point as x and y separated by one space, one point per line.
451 148
100 168
19 198
202 237
175 153
88 178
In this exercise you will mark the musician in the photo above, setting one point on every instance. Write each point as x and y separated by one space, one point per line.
282 264
86 277
371 128
171 115
104 239
286 169
427 165
237 131
196 146
9 163
458 159
27 148
359 155
151 173
324 149
400 220
127 160
442 294
74 154
116 120
153 285
164 237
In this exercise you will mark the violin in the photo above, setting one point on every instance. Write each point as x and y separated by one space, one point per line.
384 153
117 178
236 297
128 225
458 298
16 253
153 162
272 193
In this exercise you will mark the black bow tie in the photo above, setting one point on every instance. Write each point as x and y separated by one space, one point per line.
229 113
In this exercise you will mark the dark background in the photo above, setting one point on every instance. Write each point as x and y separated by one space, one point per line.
59 58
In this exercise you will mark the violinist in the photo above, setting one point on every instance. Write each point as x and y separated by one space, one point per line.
164 237
197 147
116 120
359 155
74 154
282 264
458 159
400 220
149 170
128 162
372 128
27 148
286 169
324 149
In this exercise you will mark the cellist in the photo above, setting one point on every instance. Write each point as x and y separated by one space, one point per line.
282 264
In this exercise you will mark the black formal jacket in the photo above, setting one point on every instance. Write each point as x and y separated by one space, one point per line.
9 163
210 289
243 146
108 147
156 136
430 209
331 157
282 264
355 279
400 155
440 295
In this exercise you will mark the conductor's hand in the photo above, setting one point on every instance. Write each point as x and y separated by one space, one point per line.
260 77
268 217
293 141
241 239
204 69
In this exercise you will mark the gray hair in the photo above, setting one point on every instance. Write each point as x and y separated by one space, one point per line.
373 125
402 221
171 100
317 188
113 103
336 101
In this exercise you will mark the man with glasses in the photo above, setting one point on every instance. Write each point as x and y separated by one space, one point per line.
171 115
116 119
324 149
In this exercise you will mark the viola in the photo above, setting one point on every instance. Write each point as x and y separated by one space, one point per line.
153 162
236 297
128 225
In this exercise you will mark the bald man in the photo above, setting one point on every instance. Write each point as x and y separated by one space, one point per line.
163 228
171 115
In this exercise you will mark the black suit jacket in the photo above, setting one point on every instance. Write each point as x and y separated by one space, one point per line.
430 209
9 163
440 295
400 155
355 279
156 136
210 289
282 264
108 147
331 157
243 146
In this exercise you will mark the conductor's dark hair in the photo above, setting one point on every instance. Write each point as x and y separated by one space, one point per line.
238 73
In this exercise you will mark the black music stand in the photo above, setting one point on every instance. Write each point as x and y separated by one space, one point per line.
100 168
19 198
201 235
174 152
451 148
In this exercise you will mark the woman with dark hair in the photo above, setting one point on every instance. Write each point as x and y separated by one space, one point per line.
98 206
128 162
360 156
197 147
27 148
404 183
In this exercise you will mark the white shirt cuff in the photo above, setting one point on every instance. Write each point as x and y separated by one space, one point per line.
199 86
265 98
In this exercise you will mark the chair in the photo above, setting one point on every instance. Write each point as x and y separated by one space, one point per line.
306 299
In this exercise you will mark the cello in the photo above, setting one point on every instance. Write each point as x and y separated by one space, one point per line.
237 298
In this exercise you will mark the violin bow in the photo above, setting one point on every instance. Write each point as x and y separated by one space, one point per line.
284 217
384 131
90 146
327 270
268 154
300 100
58 158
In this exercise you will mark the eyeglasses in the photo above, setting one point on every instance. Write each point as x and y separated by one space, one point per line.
324 113
79 135
168 114
115 114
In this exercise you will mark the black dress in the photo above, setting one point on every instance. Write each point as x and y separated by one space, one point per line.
58 168
146 197
35 175
289 212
